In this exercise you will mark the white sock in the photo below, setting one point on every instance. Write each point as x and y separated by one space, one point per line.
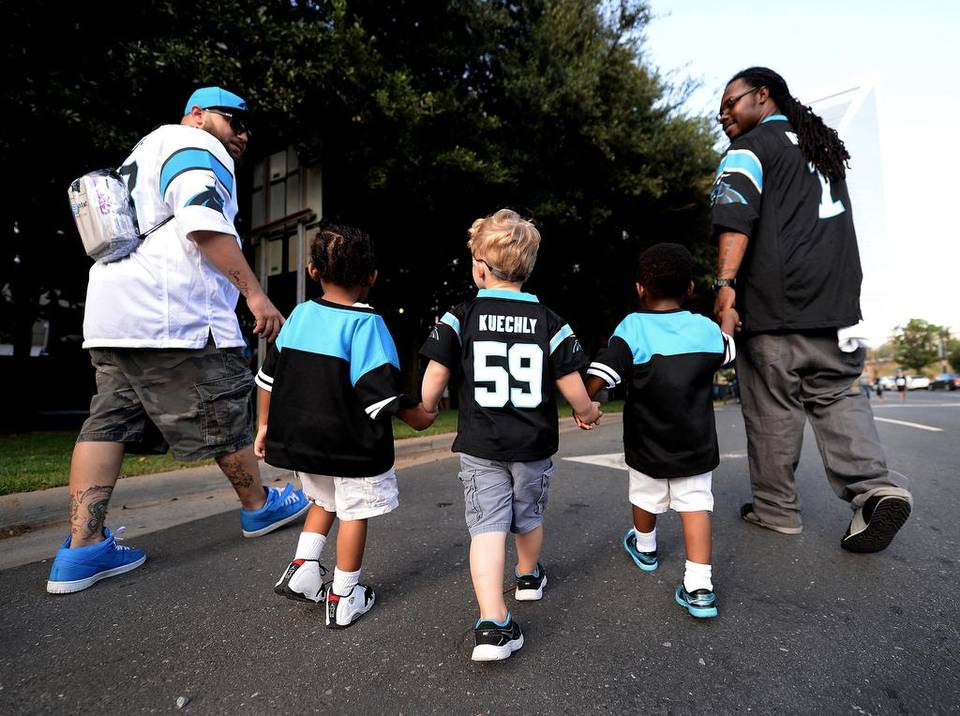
646 541
310 545
344 582
697 576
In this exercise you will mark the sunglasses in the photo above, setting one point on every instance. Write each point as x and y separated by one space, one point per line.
732 102
237 124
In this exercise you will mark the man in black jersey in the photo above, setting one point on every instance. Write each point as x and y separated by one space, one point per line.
788 261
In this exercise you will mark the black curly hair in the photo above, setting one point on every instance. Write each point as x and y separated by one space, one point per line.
819 143
665 271
343 255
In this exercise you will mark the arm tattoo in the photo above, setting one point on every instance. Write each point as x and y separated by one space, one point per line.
233 468
88 510
235 276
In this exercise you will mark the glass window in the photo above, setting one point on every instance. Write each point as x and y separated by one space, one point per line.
278 165
278 204
293 193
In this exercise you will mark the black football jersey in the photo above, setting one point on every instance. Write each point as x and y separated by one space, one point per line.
666 360
801 270
334 378
509 349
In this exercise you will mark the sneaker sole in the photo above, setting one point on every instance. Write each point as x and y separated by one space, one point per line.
636 560
531 595
78 585
298 597
489 652
356 617
698 612
888 517
276 525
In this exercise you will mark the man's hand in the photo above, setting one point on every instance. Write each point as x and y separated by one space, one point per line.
587 421
268 318
725 300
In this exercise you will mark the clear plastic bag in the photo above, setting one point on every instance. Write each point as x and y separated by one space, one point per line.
104 214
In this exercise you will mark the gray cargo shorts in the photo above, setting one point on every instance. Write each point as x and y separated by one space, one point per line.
504 496
192 401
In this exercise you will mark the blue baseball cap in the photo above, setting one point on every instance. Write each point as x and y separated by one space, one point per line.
207 97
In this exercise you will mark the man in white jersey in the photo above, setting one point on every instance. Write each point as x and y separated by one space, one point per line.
164 338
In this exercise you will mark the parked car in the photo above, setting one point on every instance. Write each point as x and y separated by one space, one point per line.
888 382
946 381
918 382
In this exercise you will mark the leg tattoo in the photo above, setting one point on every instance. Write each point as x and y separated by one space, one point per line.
88 510
233 468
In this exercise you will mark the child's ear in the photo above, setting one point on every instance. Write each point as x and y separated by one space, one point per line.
690 290
372 279
640 290
313 272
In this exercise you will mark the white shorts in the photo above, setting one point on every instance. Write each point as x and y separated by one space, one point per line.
680 494
352 498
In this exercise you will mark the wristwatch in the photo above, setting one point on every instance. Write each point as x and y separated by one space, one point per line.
721 282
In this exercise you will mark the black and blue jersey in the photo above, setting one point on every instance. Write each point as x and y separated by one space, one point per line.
801 270
667 360
509 349
334 378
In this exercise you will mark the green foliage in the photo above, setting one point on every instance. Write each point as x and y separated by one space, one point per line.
953 353
917 343
423 120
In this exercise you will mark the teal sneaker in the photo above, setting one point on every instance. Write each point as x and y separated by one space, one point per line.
281 508
647 561
701 603
74 570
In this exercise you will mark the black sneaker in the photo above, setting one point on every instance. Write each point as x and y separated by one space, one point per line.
530 587
874 525
495 642
303 581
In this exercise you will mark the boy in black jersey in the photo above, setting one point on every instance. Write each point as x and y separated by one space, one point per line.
511 351
667 358
328 389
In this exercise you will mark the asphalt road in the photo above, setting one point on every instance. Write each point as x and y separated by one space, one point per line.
804 627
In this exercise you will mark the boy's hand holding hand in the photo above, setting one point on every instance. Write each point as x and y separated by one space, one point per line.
587 421
260 442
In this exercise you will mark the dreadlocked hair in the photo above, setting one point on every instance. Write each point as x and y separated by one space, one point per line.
665 271
343 255
820 144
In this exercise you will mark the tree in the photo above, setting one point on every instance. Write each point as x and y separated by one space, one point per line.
953 353
423 120
916 343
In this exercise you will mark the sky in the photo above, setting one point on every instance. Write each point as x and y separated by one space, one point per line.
910 51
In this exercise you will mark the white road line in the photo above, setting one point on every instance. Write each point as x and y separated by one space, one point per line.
918 426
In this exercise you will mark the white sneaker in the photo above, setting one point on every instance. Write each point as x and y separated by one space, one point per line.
344 610
303 580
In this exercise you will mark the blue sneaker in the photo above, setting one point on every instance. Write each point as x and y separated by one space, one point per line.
701 603
647 561
76 569
280 508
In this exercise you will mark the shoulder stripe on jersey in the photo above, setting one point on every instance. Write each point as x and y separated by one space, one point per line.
608 374
775 117
451 320
729 349
559 337
743 161
668 334
374 410
264 381
188 159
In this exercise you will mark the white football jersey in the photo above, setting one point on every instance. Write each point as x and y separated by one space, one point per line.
165 294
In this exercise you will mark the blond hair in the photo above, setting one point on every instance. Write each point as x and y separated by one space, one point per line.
507 243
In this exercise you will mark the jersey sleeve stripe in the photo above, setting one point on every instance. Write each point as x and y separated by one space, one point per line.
264 381
743 161
560 336
605 372
729 349
374 410
451 320
189 159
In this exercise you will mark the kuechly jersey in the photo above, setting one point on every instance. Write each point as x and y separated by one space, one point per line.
667 360
802 266
509 350
335 382
165 294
